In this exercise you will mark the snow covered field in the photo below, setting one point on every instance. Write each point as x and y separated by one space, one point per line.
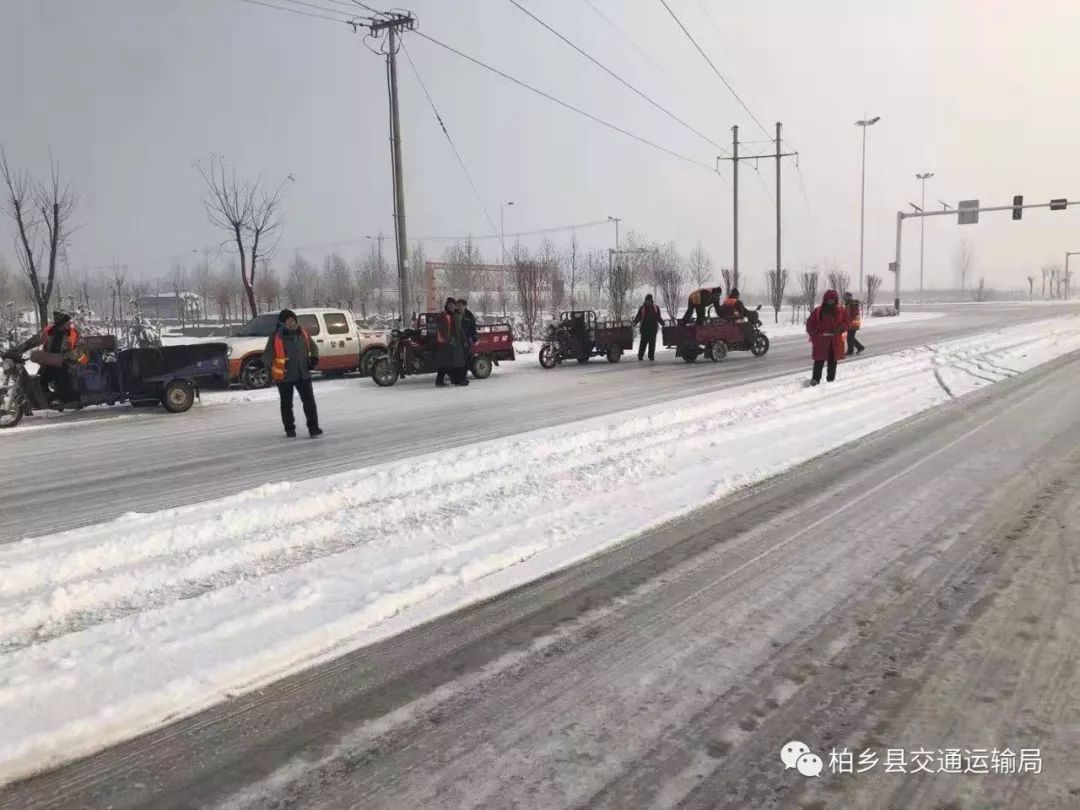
112 629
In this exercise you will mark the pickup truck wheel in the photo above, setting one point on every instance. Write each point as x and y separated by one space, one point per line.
548 357
481 367
384 372
179 396
254 375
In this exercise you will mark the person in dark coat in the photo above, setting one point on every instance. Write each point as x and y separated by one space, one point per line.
827 326
290 355
470 332
449 346
648 315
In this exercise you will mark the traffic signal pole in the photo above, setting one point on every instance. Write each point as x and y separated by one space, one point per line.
901 216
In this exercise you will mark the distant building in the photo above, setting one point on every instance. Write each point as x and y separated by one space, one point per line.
167 306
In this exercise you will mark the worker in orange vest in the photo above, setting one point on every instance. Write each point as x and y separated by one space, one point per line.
58 338
854 312
291 355
700 301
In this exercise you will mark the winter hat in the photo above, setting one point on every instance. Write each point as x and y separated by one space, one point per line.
734 293
830 295
847 296
60 318
284 315
648 298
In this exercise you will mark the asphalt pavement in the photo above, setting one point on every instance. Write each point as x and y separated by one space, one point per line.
915 591
150 460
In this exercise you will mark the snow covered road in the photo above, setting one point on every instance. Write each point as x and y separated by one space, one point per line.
161 614
135 461
914 590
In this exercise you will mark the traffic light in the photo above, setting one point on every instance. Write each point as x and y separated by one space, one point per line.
1018 201
1059 205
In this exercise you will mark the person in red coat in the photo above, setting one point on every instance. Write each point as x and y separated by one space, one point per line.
826 327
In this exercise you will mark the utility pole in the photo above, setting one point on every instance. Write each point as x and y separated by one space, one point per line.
922 231
735 199
616 220
735 158
394 23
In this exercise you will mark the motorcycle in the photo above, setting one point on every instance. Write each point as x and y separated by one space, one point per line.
405 355
756 342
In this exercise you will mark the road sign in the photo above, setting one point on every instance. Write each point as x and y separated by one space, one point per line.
968 212
1058 205
893 267
1018 201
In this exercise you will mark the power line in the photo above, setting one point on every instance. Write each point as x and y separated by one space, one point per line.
614 75
297 11
562 103
626 38
442 125
705 56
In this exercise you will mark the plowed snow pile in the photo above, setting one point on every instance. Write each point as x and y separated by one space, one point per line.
112 629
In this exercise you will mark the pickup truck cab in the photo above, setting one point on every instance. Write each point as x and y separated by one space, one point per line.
343 347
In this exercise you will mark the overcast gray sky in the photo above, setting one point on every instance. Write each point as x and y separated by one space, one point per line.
129 93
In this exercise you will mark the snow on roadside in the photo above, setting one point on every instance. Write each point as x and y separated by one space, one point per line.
109 630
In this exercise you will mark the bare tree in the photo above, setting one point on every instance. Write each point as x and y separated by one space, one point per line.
808 280
117 283
1031 288
621 282
979 294
1045 278
268 287
416 270
597 263
250 214
178 282
299 282
965 261
777 280
699 266
529 279
731 278
41 213
339 287
571 264
839 281
7 284
463 273
671 279
873 284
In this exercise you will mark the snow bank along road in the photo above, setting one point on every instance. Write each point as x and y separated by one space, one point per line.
148 461
917 590
111 630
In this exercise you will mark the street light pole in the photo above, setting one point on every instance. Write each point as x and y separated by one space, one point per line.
922 230
862 204
502 228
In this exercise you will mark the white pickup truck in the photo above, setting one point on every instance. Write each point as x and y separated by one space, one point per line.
343 347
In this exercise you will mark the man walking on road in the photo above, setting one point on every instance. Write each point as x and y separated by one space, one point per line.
648 315
290 355
450 346
826 327
854 314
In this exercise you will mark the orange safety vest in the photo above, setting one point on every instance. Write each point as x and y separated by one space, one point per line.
72 340
277 367
730 302
440 337
695 296
854 310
